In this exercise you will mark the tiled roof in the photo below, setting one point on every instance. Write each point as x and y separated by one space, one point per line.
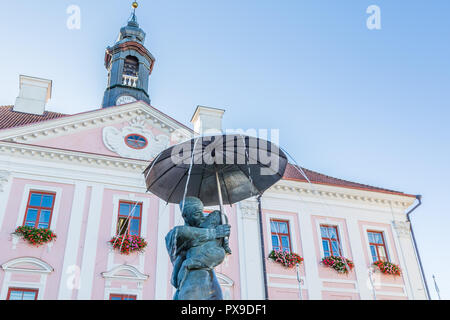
10 118
293 173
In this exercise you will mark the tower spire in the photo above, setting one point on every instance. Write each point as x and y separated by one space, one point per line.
129 65
133 19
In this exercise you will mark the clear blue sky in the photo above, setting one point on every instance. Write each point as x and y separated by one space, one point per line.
370 106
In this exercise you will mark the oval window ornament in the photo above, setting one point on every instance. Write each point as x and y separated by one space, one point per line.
136 141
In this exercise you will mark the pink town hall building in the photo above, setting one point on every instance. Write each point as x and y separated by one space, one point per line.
80 175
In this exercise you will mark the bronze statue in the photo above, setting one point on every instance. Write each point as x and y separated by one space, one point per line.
195 249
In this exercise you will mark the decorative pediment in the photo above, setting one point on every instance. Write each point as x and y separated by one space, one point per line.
224 280
125 272
138 115
116 140
27 264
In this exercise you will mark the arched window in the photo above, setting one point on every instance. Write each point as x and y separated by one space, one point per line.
25 279
131 66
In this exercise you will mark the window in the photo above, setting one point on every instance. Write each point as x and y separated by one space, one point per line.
377 246
129 221
39 209
22 294
136 141
122 297
280 235
131 66
330 240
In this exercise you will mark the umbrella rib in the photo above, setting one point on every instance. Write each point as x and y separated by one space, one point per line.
154 181
226 188
148 188
176 186
250 179
257 162
201 182
170 149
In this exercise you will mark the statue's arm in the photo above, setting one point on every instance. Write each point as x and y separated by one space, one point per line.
189 234
200 235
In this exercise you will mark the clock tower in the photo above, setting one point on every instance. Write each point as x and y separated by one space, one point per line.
129 66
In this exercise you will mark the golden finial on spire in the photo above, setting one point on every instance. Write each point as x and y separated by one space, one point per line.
135 5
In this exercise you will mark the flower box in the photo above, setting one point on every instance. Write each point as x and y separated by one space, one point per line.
285 258
340 264
35 236
387 267
127 244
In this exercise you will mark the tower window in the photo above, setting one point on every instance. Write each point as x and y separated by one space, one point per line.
136 141
131 66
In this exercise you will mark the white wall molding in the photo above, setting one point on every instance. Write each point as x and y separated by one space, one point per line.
310 261
5 190
162 256
90 243
73 241
251 269
361 267
43 188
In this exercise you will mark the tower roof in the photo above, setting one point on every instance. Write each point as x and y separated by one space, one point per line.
132 31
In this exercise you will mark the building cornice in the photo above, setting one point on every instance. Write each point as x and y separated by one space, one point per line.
321 191
69 156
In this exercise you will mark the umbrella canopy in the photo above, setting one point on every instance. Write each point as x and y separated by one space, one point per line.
237 166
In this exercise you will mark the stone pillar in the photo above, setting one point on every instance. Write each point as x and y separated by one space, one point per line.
411 268
250 264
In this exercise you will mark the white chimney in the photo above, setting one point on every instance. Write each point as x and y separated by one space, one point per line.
33 95
207 121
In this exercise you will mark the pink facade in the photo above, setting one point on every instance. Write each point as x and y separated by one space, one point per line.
91 180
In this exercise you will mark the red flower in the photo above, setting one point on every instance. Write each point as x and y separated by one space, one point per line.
35 236
125 243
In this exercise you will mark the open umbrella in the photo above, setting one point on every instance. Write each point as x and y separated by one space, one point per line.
221 169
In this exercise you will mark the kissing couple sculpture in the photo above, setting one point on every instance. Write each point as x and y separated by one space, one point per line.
195 248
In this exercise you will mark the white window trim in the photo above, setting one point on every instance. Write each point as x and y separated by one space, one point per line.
340 227
138 278
40 188
387 242
10 269
130 198
122 291
292 231
144 220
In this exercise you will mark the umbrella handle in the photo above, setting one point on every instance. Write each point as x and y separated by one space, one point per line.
219 190
222 214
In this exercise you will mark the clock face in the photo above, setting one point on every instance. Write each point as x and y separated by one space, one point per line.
125 99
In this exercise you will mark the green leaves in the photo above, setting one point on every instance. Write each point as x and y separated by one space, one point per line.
35 236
